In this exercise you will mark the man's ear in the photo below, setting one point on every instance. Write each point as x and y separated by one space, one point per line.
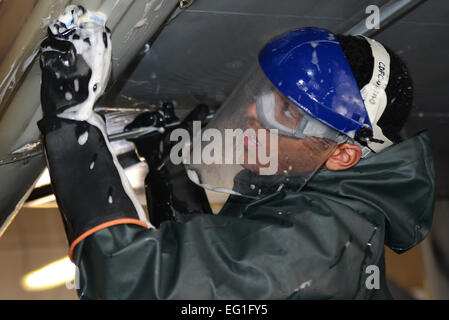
345 156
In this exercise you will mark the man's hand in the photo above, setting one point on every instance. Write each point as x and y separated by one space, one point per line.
75 63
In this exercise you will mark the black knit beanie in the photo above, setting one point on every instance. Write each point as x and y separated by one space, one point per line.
399 89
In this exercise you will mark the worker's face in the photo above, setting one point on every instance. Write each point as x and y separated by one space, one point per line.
294 155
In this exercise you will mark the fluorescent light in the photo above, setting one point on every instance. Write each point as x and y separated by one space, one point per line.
44 179
50 276
136 175
44 202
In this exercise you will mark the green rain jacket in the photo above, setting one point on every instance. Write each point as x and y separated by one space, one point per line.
313 244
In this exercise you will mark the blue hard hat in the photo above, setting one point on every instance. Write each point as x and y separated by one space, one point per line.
309 67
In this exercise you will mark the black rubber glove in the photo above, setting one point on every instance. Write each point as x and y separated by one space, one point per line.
90 186
171 195
76 63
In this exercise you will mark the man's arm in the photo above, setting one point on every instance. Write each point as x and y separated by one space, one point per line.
90 186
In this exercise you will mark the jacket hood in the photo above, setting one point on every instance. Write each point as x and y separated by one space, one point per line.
399 182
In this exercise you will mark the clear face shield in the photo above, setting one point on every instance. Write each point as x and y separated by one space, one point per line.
258 143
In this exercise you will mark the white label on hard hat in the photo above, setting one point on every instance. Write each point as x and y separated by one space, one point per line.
374 95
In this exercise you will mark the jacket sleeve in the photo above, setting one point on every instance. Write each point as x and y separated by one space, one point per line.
259 256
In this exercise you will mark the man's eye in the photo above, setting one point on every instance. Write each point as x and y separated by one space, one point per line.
287 111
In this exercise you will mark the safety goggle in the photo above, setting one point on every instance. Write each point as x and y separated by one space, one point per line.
274 111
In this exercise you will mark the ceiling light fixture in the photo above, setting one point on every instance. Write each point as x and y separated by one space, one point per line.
50 276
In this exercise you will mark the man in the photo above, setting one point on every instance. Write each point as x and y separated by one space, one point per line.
322 184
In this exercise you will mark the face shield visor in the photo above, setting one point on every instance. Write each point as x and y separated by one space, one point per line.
258 143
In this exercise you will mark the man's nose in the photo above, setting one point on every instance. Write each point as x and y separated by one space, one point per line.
251 111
